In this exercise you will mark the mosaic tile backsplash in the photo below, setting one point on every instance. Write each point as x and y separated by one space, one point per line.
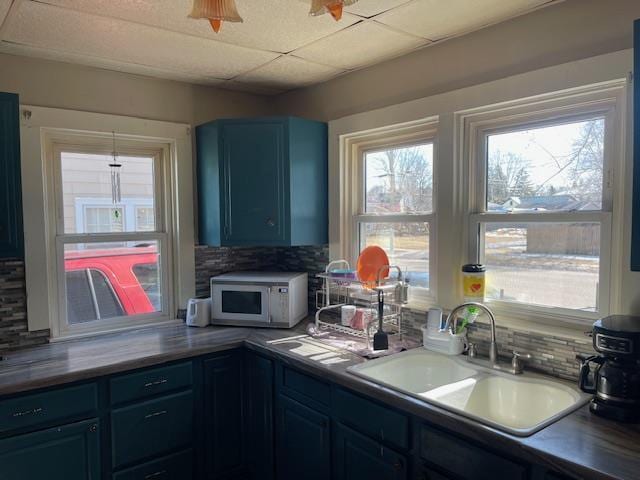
14 332
211 261
550 354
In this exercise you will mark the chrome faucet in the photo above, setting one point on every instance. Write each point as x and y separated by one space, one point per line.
516 367
451 324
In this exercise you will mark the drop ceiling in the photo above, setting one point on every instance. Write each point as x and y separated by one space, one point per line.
279 47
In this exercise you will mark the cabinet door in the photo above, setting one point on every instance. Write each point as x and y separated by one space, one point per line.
357 457
223 414
11 244
259 416
70 452
253 172
302 442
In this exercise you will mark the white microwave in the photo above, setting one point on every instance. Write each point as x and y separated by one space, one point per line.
259 299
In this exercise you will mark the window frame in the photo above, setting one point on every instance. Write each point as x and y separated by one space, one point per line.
97 143
354 196
555 109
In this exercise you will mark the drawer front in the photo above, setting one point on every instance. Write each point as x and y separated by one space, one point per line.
303 388
151 428
171 467
136 386
48 407
375 420
464 459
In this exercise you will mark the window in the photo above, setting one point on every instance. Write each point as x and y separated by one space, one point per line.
103 219
113 257
541 212
145 221
396 207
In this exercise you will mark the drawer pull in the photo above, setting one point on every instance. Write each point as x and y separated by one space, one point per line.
155 475
155 383
156 414
24 413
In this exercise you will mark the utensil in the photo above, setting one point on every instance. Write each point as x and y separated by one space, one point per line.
380 339
371 261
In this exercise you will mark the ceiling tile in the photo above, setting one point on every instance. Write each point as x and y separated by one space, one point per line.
62 30
289 72
251 88
369 8
17 49
437 19
279 26
362 44
4 9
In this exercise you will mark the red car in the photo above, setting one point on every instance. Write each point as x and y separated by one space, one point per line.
111 283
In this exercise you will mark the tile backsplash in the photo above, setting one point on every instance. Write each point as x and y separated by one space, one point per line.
14 332
550 354
212 261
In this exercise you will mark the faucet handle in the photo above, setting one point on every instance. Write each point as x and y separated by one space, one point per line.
472 350
517 362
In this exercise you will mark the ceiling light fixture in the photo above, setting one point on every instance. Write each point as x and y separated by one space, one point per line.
334 7
216 11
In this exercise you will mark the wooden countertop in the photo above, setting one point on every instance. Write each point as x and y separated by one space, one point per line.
581 444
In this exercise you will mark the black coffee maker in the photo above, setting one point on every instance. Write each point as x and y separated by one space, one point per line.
615 377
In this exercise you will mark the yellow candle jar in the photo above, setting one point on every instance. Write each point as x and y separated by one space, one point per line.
473 282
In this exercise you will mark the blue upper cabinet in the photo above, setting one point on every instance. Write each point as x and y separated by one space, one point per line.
11 242
262 182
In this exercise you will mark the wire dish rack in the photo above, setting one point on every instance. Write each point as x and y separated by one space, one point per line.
340 289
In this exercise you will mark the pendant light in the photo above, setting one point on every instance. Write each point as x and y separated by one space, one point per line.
115 166
216 11
334 7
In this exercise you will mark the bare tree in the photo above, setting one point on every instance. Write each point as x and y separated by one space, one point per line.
408 180
508 177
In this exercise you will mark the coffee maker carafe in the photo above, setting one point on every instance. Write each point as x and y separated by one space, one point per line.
613 376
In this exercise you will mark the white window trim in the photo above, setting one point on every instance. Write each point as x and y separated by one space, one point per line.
354 147
41 277
474 127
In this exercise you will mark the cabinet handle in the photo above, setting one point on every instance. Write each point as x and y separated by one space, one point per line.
156 414
155 383
270 222
24 413
93 428
155 474
398 465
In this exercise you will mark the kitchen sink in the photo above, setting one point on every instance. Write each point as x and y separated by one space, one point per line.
517 404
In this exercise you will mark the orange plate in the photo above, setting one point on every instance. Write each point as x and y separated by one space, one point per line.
370 261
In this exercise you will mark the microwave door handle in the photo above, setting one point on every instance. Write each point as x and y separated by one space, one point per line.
269 304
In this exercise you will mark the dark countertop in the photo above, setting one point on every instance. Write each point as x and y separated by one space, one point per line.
580 444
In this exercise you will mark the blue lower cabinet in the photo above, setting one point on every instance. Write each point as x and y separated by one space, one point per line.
69 452
303 443
357 457
151 428
223 415
178 466
259 431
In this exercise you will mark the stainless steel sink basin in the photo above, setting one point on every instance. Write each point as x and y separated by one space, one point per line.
520 405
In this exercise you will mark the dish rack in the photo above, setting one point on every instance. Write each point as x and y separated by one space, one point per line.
340 289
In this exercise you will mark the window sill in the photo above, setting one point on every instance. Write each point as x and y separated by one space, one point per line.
77 336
